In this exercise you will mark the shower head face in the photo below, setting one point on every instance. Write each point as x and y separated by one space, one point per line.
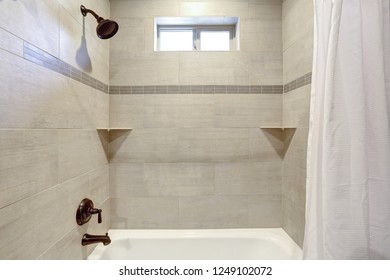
106 29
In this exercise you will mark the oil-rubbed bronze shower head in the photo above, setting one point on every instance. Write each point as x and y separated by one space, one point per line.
106 28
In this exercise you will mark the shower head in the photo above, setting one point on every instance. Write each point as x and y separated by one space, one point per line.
106 28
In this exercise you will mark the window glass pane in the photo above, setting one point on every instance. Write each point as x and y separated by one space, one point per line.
215 40
176 40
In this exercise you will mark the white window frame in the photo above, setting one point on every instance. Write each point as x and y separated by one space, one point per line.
229 24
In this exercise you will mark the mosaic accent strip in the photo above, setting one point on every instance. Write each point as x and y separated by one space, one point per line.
197 89
300 82
40 57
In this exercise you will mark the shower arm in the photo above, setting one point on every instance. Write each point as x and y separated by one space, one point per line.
85 11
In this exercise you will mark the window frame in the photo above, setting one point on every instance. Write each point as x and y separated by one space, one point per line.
196 30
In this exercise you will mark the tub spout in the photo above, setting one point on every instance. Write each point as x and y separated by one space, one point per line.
91 239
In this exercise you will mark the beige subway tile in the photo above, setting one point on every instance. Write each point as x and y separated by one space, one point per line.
158 68
294 184
261 35
146 145
266 9
296 148
293 220
144 9
265 211
179 179
197 8
99 109
99 185
11 43
34 21
127 179
67 248
220 67
296 107
298 16
28 163
231 144
29 101
195 145
127 110
248 178
31 226
266 68
248 110
80 151
214 212
20 226
149 35
298 58
144 212
178 111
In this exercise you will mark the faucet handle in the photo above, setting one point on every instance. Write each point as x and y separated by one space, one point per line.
97 211
86 210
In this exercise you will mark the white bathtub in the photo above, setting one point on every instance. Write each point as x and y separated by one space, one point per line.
220 244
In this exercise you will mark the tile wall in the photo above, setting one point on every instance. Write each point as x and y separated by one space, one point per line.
196 157
297 67
53 94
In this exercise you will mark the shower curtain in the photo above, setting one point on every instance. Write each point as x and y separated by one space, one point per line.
348 161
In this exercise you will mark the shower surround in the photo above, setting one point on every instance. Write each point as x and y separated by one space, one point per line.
195 157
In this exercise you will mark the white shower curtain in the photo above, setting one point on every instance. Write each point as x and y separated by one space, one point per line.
348 164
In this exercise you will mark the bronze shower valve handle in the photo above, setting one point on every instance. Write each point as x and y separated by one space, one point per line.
86 210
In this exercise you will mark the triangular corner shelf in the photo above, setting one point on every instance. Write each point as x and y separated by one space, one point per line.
113 129
282 128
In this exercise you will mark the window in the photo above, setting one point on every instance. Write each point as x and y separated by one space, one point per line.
196 34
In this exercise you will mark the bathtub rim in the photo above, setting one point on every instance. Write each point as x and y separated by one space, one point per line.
275 235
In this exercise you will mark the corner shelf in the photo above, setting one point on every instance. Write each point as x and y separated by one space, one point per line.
110 134
282 128
113 129
283 134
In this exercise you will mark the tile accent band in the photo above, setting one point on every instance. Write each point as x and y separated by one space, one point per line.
42 58
197 89
297 83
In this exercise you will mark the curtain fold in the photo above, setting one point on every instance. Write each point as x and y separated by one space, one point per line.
348 160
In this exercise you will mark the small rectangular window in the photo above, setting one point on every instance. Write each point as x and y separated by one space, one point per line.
215 40
196 34
174 40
